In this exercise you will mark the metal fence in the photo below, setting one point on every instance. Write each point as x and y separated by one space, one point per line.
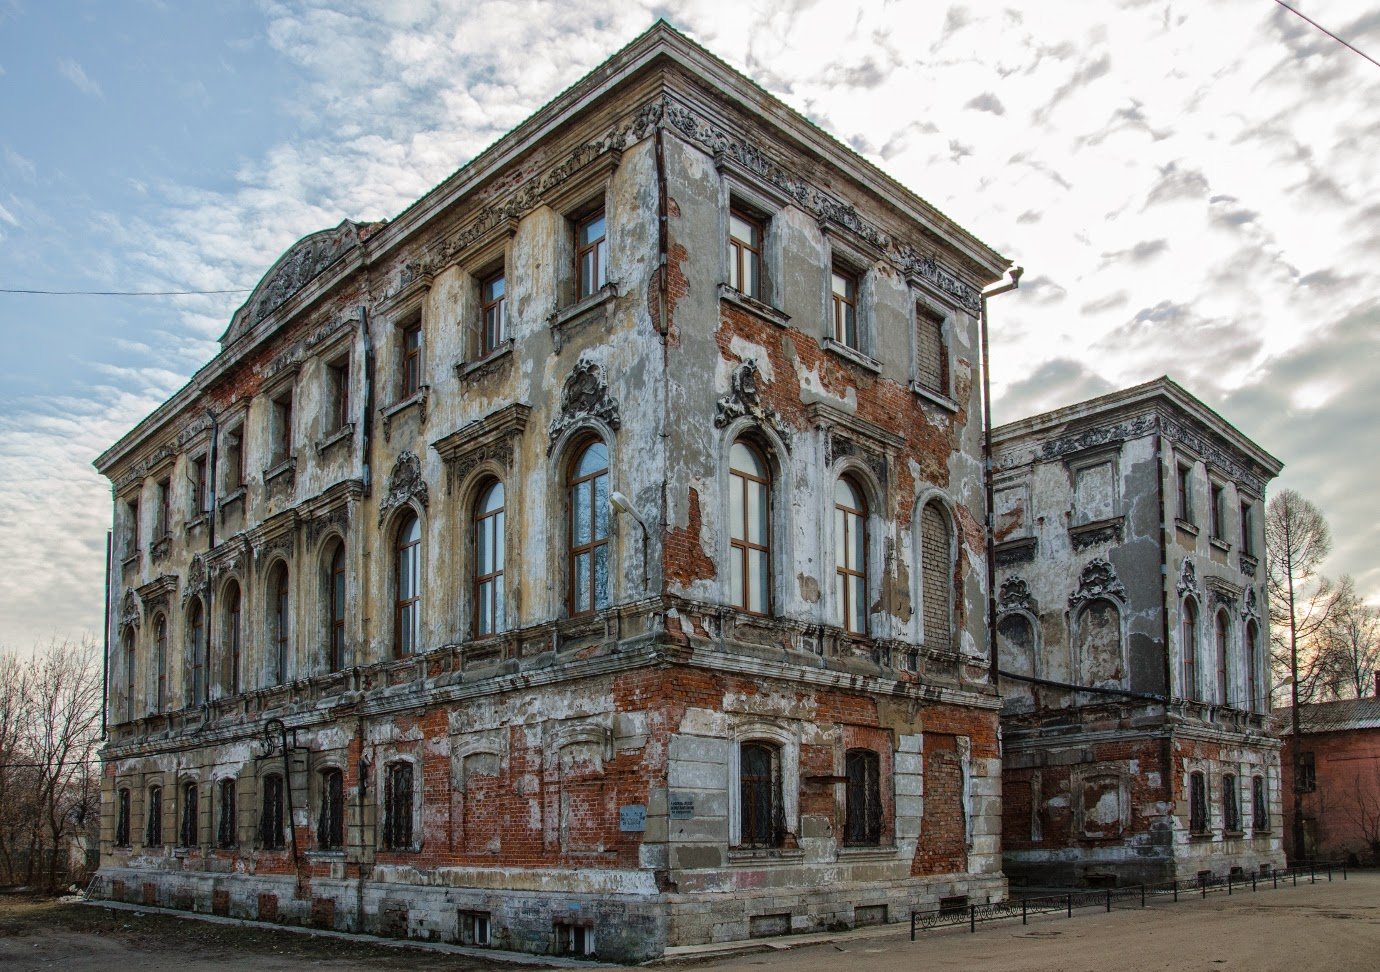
1133 896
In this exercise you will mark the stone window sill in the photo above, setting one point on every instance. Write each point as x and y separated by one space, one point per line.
1200 835
466 368
283 468
1220 544
1186 526
418 397
130 562
1233 834
343 434
235 495
583 309
852 355
759 855
198 522
934 397
869 852
754 306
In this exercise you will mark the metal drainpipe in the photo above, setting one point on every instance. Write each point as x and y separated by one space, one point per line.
1015 281
1168 744
209 626
366 427
663 255
105 637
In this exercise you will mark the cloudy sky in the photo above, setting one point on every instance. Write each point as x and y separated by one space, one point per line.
1191 186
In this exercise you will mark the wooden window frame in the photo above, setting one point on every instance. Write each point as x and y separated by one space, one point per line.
153 816
760 827
164 507
160 651
493 313
234 464
282 428
1231 804
597 543
739 544
201 500
196 625
1198 822
407 627
1190 634
234 637
132 525
1250 633
1221 631
338 373
844 307
1260 809
131 670
281 633
744 253
597 249
1217 497
336 600
409 358
1247 513
189 834
850 574
1183 488
122 809
487 588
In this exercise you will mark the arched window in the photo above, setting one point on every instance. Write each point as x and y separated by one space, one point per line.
232 639
863 797
1197 803
335 589
160 660
271 813
227 824
1253 700
330 823
749 506
122 817
407 579
1190 648
1222 629
850 556
588 498
131 663
759 779
153 818
936 576
196 649
191 816
279 623
1231 805
488 561
1260 816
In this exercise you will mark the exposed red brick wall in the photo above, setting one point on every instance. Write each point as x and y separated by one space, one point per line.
1347 771
686 560
943 843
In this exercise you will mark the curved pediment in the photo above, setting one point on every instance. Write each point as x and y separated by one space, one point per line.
298 266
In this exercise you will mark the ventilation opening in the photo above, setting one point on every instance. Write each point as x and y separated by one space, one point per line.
475 929
953 905
572 939
1100 880
767 926
1265 870
1238 873
869 915
1204 877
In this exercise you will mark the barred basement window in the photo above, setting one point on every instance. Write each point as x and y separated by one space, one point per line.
863 798
1231 805
475 928
759 780
189 836
227 825
1260 815
572 939
271 813
330 824
122 817
397 806
1197 804
153 818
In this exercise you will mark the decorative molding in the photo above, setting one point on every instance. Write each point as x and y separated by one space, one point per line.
484 440
197 579
160 548
1090 534
391 412
130 614
1212 453
1098 580
1015 595
1248 564
157 592
1224 592
229 557
1188 580
586 395
405 483
744 398
1018 551
1250 607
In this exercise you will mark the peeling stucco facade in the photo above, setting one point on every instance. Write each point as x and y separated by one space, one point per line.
575 777
1105 537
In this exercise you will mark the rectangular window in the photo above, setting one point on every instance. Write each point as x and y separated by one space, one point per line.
591 254
1197 804
1247 528
201 499
844 301
931 357
863 798
572 939
122 818
397 806
1306 776
227 833
759 781
191 816
330 825
475 928
282 430
271 814
1260 815
493 310
164 507
132 526
1219 512
745 253
234 459
153 824
1184 486
1231 805
410 361
338 395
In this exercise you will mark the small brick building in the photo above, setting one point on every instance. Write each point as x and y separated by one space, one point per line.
1337 777
589 559
1132 638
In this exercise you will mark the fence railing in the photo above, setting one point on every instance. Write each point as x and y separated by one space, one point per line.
1131 896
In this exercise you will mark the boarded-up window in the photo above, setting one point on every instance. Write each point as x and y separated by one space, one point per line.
1094 493
863 823
482 818
931 360
1099 643
1016 645
936 577
583 817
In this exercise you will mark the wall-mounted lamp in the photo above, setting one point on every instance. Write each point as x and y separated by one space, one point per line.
621 504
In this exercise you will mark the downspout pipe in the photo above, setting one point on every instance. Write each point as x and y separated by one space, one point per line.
1013 281
208 626
105 638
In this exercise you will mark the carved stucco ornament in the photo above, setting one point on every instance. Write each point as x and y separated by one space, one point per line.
1015 593
196 578
130 616
1098 580
1250 608
1188 580
744 398
405 483
586 395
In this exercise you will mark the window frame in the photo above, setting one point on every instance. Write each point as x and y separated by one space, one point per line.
945 582
410 356
1217 510
1183 490
597 544
740 250
488 588
330 818
773 824
1221 632
863 809
234 636
164 493
846 576
197 687
189 831
1260 805
929 313
132 524
271 812
407 611
742 547
279 591
1250 633
131 652
283 440
122 817
840 306
337 600
337 394
160 655
1306 772
200 494
396 831
597 248
1231 804
1247 515
153 816
493 331
1199 820
227 819
1190 636
234 457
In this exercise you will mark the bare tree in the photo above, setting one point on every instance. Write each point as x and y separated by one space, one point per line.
1349 646
50 709
1362 805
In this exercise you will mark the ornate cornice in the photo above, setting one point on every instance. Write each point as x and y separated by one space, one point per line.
483 440
1098 580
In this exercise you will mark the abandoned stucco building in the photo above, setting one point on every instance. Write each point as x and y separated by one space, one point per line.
590 559
1132 642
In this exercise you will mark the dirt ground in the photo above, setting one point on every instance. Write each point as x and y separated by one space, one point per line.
1323 928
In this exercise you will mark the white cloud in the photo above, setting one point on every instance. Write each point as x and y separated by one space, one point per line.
7 217
75 73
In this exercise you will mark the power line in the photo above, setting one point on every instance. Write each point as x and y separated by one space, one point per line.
121 293
1328 32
